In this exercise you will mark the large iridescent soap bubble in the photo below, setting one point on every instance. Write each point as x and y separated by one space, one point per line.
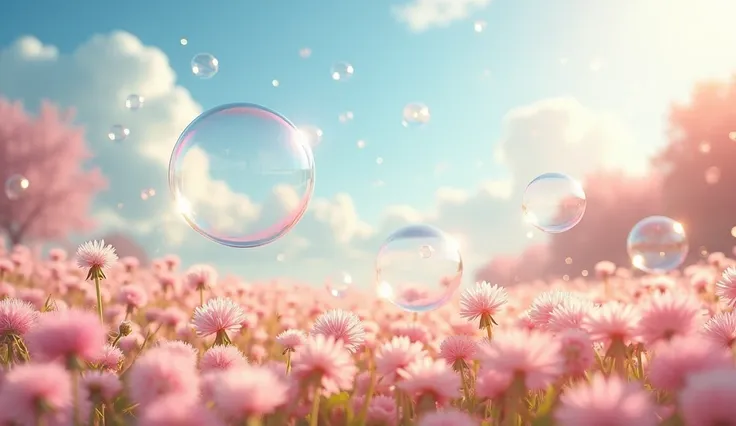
241 175
418 268
554 203
657 244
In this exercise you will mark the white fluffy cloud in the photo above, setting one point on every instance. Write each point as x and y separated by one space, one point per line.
551 135
421 15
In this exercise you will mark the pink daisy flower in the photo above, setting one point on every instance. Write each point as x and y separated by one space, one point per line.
132 297
458 351
395 355
16 317
158 373
291 339
239 393
416 332
171 410
482 301
682 356
570 313
726 287
222 358
341 325
110 358
96 256
28 386
68 335
447 418
668 315
609 402
428 378
577 350
708 398
326 363
612 322
542 306
201 277
604 269
533 355
721 328
102 384
217 316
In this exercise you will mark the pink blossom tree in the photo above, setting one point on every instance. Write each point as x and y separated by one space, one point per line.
615 203
699 175
50 153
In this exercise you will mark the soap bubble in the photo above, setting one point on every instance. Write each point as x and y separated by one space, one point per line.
554 202
241 175
657 244
134 102
413 282
205 65
342 71
15 186
415 114
118 133
311 135
338 286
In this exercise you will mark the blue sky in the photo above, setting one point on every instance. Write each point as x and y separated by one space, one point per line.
620 64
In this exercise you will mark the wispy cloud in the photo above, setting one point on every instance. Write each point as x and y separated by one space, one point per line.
421 15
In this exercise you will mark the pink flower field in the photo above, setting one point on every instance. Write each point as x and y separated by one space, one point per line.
94 340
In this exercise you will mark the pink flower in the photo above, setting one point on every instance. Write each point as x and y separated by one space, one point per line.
96 255
416 332
610 402
102 384
668 315
570 313
396 355
201 277
381 409
221 357
160 372
611 322
492 384
291 339
218 315
68 335
682 356
721 329
726 287
170 410
483 300
342 325
247 391
16 317
450 417
433 378
533 355
577 350
542 306
110 358
708 398
326 363
604 269
28 386
132 296
458 351
183 349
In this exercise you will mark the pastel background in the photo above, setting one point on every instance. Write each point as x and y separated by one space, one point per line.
573 86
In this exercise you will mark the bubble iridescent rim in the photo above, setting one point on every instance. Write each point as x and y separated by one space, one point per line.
273 232
422 231
578 192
